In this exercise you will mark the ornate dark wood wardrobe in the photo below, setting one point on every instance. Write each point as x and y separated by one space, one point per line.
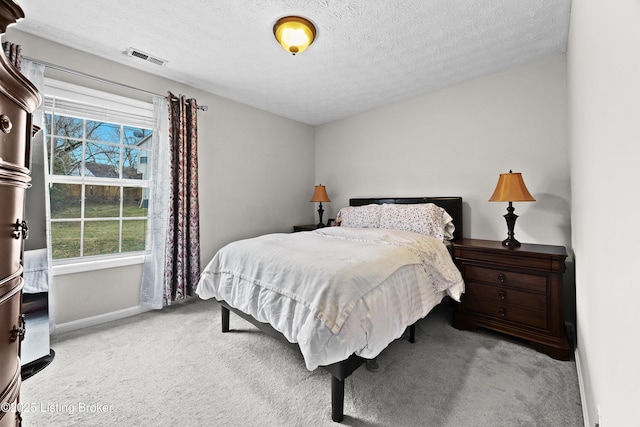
18 100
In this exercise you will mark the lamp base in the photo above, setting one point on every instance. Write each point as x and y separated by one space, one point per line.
510 242
320 212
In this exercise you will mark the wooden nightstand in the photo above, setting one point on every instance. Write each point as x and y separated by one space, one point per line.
306 227
517 291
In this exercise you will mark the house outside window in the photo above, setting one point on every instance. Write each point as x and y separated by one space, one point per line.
99 185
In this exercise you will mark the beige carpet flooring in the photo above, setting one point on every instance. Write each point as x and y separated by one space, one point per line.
175 368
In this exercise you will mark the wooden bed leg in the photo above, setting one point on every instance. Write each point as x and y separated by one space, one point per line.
337 399
372 365
412 333
225 318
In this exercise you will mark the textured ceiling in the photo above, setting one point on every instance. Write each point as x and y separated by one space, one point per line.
367 53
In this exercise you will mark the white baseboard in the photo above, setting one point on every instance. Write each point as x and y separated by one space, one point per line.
583 397
97 320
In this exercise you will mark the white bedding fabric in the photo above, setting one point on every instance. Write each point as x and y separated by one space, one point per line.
337 290
36 271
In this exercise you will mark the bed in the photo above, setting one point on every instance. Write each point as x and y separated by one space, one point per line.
343 294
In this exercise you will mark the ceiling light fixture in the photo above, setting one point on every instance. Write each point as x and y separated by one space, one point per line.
294 33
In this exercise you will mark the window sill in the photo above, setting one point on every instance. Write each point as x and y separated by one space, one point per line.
99 264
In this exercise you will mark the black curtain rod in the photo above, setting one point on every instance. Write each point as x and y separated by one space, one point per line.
99 79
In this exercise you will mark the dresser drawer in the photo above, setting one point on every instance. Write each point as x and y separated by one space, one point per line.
501 277
11 210
9 325
15 134
507 296
506 312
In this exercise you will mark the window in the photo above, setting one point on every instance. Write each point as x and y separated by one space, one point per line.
99 188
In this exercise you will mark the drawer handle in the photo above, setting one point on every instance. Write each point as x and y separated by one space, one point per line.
502 295
18 331
502 278
20 229
5 123
502 312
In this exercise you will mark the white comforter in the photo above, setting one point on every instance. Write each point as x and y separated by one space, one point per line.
334 291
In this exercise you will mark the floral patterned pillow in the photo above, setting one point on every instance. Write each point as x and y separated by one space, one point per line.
367 216
423 218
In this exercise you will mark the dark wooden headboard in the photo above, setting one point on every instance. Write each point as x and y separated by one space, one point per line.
453 206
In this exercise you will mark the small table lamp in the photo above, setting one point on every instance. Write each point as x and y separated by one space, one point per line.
320 195
510 189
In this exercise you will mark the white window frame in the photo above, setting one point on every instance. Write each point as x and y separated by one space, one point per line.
110 108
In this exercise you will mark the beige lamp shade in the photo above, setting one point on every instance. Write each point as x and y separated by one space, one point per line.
511 188
320 194
294 33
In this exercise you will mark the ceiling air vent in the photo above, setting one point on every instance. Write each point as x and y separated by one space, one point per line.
136 53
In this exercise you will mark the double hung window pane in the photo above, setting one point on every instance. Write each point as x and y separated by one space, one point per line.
102 131
67 156
101 160
134 163
135 201
101 201
66 201
136 136
96 206
71 127
101 237
65 239
133 235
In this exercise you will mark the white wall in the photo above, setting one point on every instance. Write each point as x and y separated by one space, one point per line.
84 295
456 142
256 173
604 97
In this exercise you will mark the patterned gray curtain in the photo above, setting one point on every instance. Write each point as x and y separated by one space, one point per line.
182 267
13 53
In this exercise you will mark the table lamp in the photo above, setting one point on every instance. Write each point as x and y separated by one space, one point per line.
320 195
510 189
